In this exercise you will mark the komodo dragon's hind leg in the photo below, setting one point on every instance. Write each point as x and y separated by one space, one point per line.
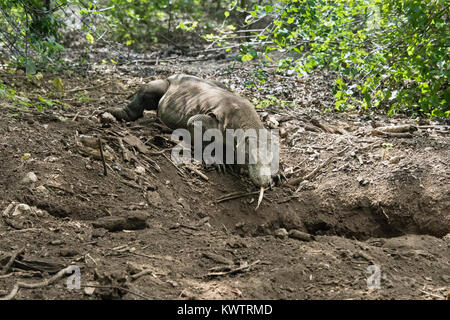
147 98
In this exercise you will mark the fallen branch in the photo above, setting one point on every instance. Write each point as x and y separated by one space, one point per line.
235 195
100 146
402 131
134 141
8 209
142 273
44 283
242 268
126 249
11 261
377 132
152 163
125 152
432 294
131 184
76 116
398 129
176 167
322 126
59 188
200 174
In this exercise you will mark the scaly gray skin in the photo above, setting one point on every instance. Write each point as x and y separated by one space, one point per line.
180 100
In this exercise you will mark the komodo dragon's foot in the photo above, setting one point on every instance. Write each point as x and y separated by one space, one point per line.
279 179
118 113
222 168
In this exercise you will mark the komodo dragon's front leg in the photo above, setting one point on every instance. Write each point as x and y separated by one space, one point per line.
206 122
147 98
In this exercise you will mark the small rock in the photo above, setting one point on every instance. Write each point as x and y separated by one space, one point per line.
68 252
56 242
41 213
362 181
272 122
281 233
263 229
237 243
29 178
217 258
140 170
181 202
89 291
134 268
173 283
154 198
132 222
99 232
396 159
107 118
303 236
89 141
283 132
43 190
51 159
21 208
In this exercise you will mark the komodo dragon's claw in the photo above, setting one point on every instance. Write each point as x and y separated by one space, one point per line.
221 168
279 178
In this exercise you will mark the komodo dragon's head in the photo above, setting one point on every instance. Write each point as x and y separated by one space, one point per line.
259 158
260 172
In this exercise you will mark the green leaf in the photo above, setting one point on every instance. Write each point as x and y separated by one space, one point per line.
58 84
247 57
89 37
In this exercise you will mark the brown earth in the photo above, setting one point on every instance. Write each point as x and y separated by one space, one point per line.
375 201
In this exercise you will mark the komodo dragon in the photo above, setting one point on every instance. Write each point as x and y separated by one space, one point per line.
181 100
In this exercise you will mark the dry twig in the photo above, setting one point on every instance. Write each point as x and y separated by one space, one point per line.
235 195
41 284
11 261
